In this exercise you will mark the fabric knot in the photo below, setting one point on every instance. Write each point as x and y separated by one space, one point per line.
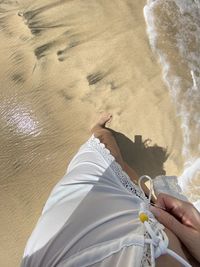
161 247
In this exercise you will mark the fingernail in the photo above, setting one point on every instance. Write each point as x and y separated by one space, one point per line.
155 211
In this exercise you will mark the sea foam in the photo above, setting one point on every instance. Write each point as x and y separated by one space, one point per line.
173 28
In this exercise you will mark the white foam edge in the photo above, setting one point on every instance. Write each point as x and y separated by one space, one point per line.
191 168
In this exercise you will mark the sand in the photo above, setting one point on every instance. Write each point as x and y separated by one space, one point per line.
62 63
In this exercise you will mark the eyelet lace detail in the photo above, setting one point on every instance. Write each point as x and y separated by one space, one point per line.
115 166
146 259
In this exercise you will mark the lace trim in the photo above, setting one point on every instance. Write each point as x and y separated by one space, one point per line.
146 259
126 182
115 166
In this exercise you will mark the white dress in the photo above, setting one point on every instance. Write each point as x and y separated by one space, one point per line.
90 217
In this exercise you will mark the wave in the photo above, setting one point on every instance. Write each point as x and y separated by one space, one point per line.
173 28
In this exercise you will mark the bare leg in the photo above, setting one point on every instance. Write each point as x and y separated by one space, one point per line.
106 137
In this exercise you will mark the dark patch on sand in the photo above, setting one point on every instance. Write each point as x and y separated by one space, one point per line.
16 57
95 78
36 28
61 53
73 44
112 85
16 165
64 95
20 14
30 14
61 58
35 31
41 50
18 78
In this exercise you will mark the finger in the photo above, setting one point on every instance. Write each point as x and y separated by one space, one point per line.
173 205
170 222
184 211
166 219
187 235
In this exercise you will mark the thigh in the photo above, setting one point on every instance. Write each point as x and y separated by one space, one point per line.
176 246
106 137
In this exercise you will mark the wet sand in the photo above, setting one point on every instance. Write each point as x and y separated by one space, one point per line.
62 63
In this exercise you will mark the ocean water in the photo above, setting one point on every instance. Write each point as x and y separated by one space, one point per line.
173 28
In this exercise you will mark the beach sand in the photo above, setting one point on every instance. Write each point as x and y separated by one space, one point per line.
62 63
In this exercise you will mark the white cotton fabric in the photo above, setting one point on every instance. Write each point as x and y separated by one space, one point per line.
90 217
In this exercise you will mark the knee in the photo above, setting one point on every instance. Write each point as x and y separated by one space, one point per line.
103 134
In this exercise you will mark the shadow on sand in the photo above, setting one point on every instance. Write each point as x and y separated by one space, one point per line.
143 157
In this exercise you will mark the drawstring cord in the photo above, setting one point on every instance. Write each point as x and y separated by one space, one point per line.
159 241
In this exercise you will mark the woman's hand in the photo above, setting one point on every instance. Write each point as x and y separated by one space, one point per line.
182 218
